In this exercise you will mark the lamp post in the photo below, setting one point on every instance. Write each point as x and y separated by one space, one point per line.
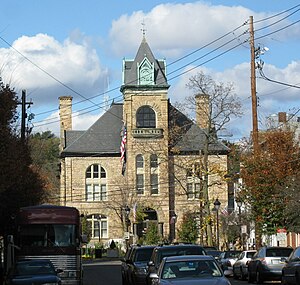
217 205
127 221
239 204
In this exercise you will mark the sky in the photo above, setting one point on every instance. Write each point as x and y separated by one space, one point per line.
54 48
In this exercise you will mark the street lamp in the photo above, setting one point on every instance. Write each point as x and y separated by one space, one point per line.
217 205
127 221
239 203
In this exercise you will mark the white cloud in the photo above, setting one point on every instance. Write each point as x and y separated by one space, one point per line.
43 64
79 122
173 28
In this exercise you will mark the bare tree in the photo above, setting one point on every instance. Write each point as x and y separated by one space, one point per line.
217 105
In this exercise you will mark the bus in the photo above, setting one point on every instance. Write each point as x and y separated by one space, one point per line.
51 232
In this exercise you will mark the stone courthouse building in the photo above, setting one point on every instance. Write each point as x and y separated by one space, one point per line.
162 152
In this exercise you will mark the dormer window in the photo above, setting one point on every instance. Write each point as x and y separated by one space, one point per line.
145 117
146 72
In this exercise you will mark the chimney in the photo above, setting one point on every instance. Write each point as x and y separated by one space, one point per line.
282 117
65 114
202 110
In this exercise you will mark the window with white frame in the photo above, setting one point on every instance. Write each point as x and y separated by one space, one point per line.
153 174
95 183
194 185
139 162
99 225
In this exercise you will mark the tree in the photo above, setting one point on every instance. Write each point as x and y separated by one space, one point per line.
44 150
152 236
217 106
19 184
188 231
265 178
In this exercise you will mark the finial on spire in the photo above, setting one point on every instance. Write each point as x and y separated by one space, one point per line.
143 29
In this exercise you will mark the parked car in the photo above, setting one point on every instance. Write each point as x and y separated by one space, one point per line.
124 266
227 259
214 253
291 268
188 270
160 252
134 264
35 271
267 264
240 267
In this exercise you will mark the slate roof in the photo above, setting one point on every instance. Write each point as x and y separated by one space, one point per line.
102 138
130 71
191 138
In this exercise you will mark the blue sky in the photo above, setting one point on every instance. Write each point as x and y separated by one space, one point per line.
53 48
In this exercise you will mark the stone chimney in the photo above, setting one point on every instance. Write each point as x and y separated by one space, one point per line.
65 114
202 110
282 117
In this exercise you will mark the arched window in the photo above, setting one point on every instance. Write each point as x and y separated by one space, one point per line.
154 174
98 225
194 185
145 117
140 173
95 183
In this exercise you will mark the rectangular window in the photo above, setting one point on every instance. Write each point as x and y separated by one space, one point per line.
96 192
96 228
89 192
197 191
104 229
190 192
103 192
154 183
140 183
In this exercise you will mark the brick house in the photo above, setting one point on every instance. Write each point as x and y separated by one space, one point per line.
160 178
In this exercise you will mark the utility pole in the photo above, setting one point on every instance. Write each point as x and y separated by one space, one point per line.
24 114
253 91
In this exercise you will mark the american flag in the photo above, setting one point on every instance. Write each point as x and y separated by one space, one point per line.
225 211
134 212
123 149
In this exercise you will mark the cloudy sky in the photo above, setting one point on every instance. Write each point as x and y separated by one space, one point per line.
53 48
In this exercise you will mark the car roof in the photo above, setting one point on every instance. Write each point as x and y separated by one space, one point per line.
188 257
178 246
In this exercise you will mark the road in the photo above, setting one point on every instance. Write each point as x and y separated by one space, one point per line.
101 272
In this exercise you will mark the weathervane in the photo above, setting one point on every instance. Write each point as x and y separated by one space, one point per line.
143 29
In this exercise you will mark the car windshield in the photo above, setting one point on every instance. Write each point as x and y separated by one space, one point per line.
33 268
143 254
48 235
278 252
250 254
191 269
232 254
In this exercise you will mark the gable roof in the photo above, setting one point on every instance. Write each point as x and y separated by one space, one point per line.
102 138
130 68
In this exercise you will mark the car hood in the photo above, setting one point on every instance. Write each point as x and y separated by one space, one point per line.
34 279
196 281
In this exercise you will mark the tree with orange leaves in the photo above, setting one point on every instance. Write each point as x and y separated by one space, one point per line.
265 177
